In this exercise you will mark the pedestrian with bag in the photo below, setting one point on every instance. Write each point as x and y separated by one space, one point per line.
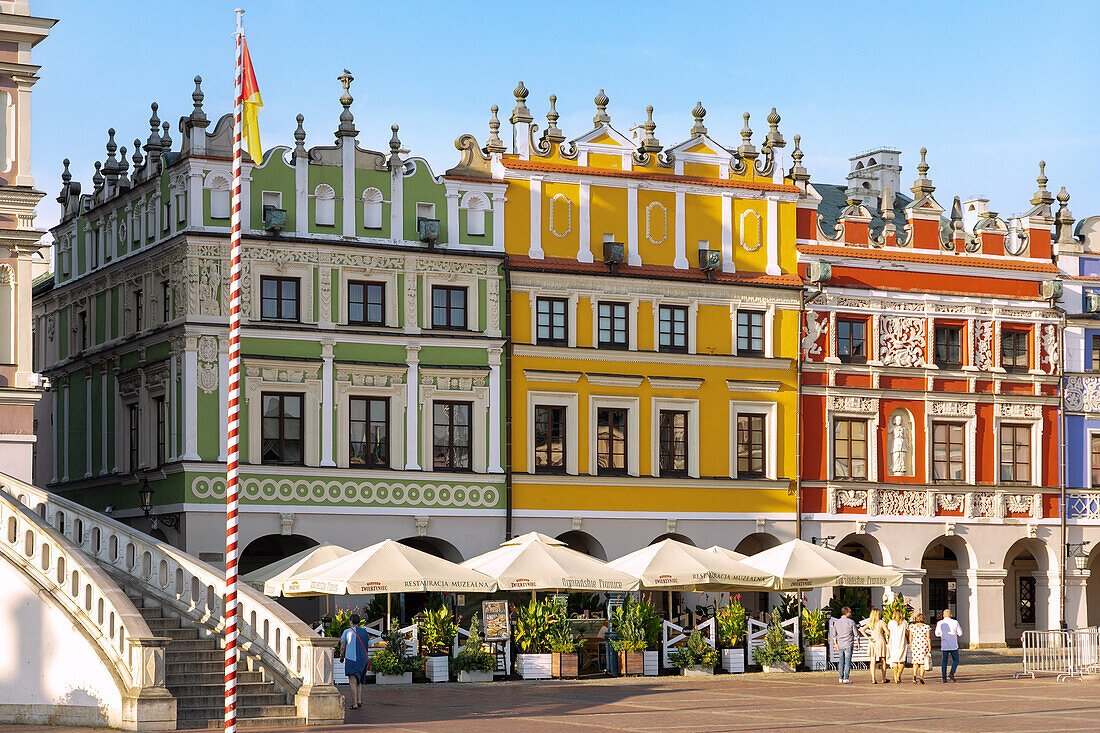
354 643
920 647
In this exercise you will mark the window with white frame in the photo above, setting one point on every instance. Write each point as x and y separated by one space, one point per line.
219 199
271 200
324 200
672 442
552 321
550 436
1016 458
611 440
1094 460
372 208
849 448
750 333
475 216
751 445
948 451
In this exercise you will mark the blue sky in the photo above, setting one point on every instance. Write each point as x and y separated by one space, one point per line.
988 87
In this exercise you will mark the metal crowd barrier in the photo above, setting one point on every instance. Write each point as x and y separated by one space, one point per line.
1067 654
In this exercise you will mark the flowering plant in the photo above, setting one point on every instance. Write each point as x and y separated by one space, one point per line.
732 622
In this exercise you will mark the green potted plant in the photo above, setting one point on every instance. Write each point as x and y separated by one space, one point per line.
897 604
565 661
532 636
815 634
437 634
695 657
732 624
857 599
475 662
777 654
636 626
392 664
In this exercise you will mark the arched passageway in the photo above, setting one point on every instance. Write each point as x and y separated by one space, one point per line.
580 541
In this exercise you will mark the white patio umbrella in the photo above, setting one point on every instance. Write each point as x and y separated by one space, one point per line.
269 578
534 562
801 565
671 565
726 553
387 567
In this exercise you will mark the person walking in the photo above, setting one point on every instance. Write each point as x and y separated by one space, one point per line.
948 630
920 647
897 630
844 641
353 645
875 632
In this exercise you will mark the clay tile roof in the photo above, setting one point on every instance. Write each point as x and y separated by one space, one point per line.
536 165
660 272
929 257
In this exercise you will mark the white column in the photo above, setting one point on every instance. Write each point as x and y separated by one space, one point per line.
681 261
63 444
397 204
223 405
727 235
301 194
633 256
983 621
498 221
191 399
453 230
773 238
412 408
769 331
347 185
327 408
584 237
104 464
495 399
88 421
173 405
535 250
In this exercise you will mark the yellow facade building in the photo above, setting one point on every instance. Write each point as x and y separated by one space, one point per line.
653 325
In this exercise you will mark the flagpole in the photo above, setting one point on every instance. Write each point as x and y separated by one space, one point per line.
232 434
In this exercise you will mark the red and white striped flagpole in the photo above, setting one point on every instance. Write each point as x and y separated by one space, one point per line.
232 432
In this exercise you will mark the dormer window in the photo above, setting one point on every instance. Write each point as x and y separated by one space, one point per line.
372 208
325 206
219 198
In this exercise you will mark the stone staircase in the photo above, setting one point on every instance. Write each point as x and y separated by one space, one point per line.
195 675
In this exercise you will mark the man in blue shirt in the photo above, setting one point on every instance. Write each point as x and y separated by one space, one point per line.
844 641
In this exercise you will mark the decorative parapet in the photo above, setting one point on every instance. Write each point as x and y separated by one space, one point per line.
920 502
1082 394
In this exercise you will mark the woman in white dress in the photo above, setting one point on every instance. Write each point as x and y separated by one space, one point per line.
898 632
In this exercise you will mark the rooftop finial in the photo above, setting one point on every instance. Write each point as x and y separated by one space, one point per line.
886 205
650 144
123 164
495 144
1063 197
798 173
520 113
922 186
956 215
66 176
395 141
774 138
136 157
165 138
1042 196
111 164
97 177
197 96
1063 220
347 120
746 149
698 113
153 143
553 134
300 138
601 118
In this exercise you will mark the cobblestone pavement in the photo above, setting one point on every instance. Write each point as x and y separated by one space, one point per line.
985 698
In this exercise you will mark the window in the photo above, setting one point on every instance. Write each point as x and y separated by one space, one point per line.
448 307
672 328
135 431
369 432
851 340
475 217
271 200
1095 354
549 439
425 211
750 333
613 326
1016 453
166 302
947 452
672 442
281 429
1094 459
83 330
949 346
219 199
552 321
279 298
372 208
1026 596
93 247
750 446
162 429
1014 351
324 202
610 440
849 448
367 303
451 436
139 310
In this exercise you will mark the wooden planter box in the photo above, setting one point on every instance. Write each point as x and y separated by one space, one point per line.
475 676
631 664
696 671
817 658
651 663
394 679
566 665
438 668
778 668
534 666
733 660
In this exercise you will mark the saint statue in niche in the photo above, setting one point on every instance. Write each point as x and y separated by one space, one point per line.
899 446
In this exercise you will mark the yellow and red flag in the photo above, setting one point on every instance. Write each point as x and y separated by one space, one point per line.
250 99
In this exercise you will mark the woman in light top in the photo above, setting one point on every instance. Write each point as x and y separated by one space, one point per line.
920 647
898 632
875 632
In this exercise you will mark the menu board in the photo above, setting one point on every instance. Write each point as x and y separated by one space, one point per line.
494 619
